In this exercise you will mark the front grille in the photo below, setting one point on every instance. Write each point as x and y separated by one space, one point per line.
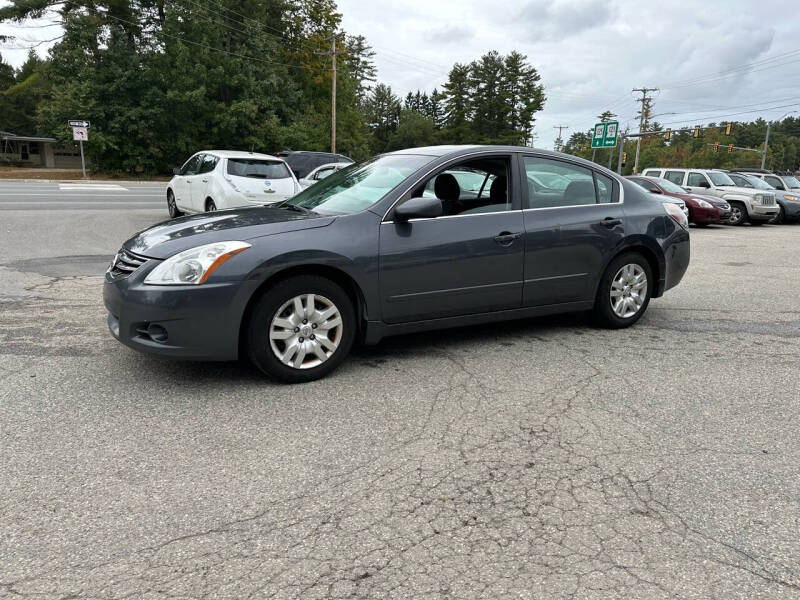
766 199
125 263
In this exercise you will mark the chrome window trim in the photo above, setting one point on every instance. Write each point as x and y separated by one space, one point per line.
486 214
519 153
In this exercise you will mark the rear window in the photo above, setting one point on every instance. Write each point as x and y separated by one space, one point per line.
258 169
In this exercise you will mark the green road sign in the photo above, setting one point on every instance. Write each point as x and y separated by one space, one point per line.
605 135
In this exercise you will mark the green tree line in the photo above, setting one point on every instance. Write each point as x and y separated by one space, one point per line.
685 150
161 79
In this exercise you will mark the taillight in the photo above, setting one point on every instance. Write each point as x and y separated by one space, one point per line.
674 211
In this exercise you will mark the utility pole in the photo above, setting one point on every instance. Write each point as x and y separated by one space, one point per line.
333 54
559 141
766 141
643 100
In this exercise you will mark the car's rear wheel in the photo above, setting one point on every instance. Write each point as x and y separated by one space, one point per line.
738 214
172 207
301 329
624 291
210 206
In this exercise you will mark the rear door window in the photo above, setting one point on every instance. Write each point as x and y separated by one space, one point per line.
208 164
675 177
605 188
554 183
257 168
652 173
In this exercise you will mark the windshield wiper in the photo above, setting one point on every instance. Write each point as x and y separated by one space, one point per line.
301 209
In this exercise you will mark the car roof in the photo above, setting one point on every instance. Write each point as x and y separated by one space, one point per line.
241 154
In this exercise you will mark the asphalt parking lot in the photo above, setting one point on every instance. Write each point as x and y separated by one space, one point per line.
534 459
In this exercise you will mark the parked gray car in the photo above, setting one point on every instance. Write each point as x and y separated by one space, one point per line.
365 254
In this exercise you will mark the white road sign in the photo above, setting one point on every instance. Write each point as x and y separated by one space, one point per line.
80 134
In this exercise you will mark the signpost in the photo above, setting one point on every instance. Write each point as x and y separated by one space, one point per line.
80 133
605 135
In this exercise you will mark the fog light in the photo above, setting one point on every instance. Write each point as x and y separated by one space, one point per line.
157 333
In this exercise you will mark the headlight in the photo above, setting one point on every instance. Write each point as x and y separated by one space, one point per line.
193 266
791 198
704 204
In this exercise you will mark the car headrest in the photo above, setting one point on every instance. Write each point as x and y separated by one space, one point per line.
580 192
497 193
446 188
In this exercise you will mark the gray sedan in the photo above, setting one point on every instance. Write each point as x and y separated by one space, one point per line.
366 253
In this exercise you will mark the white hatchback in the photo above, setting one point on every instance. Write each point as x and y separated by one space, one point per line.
219 179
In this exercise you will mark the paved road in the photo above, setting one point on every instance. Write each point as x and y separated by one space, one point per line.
28 195
536 459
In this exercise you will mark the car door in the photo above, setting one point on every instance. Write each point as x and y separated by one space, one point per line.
697 183
181 185
201 183
569 238
467 261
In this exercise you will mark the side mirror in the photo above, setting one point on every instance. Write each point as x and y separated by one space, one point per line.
656 191
176 171
418 208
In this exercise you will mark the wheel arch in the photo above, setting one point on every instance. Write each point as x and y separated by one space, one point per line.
654 258
335 274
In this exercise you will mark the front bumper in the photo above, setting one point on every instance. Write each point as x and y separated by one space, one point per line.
188 322
791 210
759 212
707 215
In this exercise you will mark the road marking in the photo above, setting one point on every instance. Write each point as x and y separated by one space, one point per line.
91 186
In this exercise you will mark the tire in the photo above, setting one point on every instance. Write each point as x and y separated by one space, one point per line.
701 225
780 218
738 214
756 223
210 206
172 207
621 273
275 328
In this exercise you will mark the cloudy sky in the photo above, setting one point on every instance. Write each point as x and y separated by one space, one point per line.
591 53
714 60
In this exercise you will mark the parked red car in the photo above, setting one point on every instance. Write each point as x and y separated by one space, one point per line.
703 210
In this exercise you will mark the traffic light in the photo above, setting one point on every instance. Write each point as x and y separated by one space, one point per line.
728 129
730 148
697 131
624 158
667 134
716 146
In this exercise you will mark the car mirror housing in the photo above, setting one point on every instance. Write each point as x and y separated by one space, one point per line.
418 208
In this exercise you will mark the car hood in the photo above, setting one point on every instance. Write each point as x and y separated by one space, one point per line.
744 191
168 238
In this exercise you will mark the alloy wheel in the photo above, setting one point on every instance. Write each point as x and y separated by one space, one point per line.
306 331
628 290
171 206
736 215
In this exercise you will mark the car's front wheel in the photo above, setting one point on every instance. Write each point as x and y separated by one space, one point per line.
301 329
172 207
738 214
780 218
624 291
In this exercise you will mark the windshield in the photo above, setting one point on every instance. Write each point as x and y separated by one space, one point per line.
358 187
757 183
791 182
718 178
259 169
670 187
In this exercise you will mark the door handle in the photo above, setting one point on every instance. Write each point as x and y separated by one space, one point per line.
205 180
506 238
611 222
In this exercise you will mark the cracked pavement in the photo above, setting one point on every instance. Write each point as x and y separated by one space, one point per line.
532 459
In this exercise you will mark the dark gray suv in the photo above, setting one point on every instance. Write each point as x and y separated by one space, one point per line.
419 239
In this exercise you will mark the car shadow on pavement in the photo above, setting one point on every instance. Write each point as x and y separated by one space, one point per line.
241 372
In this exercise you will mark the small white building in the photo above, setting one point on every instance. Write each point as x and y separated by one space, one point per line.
32 151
